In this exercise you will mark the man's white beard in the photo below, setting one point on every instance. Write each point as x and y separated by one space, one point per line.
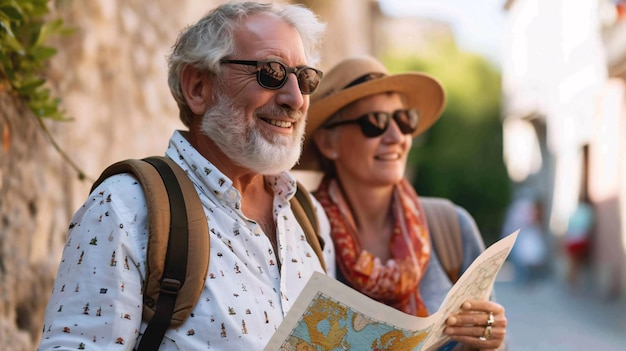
242 141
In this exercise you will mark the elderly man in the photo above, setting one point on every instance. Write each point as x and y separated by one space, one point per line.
241 78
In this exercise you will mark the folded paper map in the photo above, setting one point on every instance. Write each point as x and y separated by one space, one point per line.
329 315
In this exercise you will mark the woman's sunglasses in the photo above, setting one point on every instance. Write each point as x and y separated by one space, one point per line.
374 124
273 74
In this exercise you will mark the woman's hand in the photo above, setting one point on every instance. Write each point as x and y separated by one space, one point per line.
480 324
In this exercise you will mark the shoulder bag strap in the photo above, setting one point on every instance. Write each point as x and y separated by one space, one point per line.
303 209
445 232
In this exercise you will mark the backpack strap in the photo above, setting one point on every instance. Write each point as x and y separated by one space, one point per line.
445 233
174 212
303 209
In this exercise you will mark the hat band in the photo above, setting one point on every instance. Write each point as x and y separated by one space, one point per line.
364 78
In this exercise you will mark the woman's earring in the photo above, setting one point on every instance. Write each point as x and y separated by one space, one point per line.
333 155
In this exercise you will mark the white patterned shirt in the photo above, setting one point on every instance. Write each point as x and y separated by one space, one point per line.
96 303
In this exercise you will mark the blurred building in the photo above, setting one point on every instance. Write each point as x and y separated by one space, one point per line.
564 71
360 27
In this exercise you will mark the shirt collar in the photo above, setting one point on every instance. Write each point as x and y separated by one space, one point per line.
212 181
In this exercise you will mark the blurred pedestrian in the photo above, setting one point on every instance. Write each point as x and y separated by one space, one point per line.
577 241
529 255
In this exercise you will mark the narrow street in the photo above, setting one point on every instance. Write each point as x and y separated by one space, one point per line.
549 316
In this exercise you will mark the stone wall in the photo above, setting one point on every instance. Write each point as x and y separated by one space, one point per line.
29 206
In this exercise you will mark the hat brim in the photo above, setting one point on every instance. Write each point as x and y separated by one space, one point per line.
421 92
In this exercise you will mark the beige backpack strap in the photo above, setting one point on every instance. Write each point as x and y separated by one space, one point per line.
174 212
445 232
302 207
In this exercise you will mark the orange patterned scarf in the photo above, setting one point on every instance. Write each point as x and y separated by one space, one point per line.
395 282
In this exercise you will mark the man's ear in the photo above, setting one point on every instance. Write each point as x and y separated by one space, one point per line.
197 88
324 140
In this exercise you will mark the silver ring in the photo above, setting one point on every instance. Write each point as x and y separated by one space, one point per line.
490 319
487 334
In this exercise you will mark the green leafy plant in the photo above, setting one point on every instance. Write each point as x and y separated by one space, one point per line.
23 53
24 30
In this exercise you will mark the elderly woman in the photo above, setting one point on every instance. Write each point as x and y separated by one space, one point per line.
359 132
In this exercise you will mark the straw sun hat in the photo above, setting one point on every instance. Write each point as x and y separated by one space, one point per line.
362 76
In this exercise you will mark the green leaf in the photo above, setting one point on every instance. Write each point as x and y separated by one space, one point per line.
46 30
5 24
29 86
53 27
42 53
12 10
24 30
10 43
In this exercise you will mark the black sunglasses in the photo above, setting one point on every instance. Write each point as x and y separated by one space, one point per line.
273 74
374 124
